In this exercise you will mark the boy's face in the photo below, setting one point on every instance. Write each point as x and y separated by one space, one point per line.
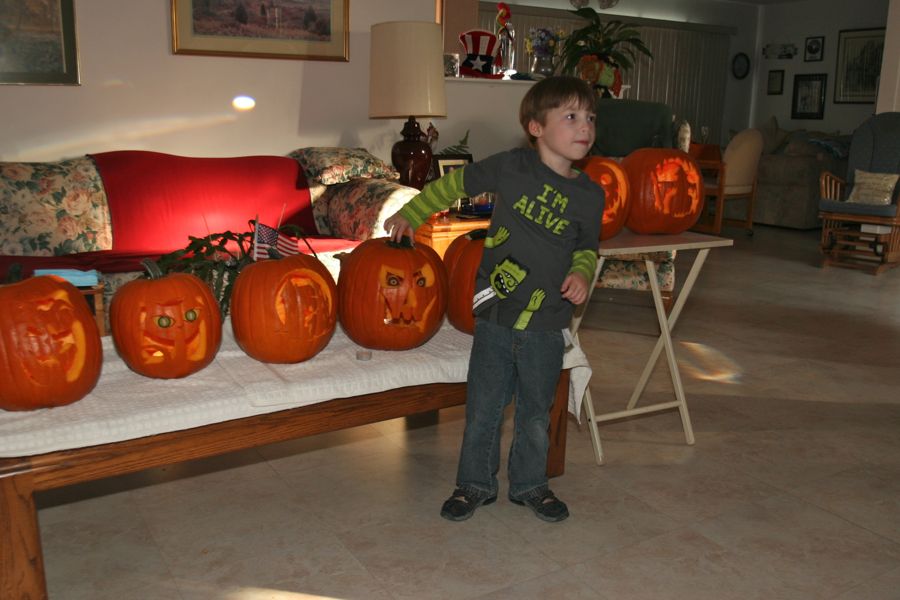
567 133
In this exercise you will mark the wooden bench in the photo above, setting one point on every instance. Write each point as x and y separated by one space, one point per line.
21 559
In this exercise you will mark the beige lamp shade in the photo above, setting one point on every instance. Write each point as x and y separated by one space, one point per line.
406 70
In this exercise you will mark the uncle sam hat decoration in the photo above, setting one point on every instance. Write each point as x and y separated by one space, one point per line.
481 49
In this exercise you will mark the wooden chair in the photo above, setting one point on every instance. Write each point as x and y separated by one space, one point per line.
732 178
859 229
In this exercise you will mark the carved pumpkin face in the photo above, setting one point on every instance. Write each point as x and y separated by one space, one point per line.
609 175
50 351
166 328
462 259
391 297
285 310
666 190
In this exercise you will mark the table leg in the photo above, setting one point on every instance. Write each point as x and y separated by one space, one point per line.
559 415
666 337
21 561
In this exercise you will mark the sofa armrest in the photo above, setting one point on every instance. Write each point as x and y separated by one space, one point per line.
357 210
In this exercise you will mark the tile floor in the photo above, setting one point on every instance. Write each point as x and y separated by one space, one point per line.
791 491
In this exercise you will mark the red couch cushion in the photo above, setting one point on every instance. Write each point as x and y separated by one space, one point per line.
156 200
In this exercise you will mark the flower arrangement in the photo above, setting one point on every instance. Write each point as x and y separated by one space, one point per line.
542 42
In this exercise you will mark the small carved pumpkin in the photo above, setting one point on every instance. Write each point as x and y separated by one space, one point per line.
391 296
462 259
166 326
666 190
50 351
609 175
285 310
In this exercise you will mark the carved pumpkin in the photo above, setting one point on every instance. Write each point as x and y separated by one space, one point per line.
391 296
462 260
285 310
166 326
50 351
666 190
609 175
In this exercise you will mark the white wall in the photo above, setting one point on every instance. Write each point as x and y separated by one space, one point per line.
136 94
794 22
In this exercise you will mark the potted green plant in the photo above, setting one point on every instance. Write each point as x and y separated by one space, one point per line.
600 51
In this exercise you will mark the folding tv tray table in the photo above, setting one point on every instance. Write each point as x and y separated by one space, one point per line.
627 242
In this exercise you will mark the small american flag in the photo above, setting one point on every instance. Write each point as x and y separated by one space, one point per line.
266 237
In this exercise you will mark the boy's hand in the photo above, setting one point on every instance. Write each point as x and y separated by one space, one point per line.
397 227
574 288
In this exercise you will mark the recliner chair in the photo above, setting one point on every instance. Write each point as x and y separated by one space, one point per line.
860 218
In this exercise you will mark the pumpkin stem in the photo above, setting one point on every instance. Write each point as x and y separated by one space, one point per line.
405 242
153 270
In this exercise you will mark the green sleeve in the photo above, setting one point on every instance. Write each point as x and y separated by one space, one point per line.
435 197
584 262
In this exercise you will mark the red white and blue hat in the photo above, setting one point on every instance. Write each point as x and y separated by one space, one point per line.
482 50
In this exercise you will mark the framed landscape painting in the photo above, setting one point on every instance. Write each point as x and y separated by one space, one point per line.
858 65
37 43
297 29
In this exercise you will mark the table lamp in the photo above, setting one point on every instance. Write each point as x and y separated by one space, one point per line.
406 80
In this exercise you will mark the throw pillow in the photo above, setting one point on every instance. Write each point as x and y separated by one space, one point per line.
339 165
873 188
53 208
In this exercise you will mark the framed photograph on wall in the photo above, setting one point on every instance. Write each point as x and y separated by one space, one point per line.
37 43
858 65
809 96
814 49
775 86
298 29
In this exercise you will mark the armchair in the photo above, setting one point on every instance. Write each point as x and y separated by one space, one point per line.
860 219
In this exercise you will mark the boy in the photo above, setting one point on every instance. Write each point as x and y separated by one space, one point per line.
539 258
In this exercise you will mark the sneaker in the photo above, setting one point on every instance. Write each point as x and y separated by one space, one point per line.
462 504
545 505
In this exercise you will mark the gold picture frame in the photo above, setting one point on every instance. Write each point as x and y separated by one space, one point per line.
38 44
291 29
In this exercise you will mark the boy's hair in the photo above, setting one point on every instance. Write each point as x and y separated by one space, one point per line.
551 93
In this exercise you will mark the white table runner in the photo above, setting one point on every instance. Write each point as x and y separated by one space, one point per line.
125 405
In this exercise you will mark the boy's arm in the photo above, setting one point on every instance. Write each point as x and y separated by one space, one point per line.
436 196
584 262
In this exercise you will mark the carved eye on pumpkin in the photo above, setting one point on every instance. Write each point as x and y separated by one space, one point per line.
191 315
164 321
393 280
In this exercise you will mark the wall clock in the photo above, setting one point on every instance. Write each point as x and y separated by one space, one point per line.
740 65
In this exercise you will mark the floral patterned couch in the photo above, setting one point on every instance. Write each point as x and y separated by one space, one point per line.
111 210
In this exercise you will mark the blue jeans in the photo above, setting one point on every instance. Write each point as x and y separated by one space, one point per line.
506 363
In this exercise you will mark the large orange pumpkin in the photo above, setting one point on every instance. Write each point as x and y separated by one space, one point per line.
50 351
285 310
167 326
462 260
391 296
666 190
609 175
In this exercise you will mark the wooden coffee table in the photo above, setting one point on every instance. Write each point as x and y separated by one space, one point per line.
439 231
